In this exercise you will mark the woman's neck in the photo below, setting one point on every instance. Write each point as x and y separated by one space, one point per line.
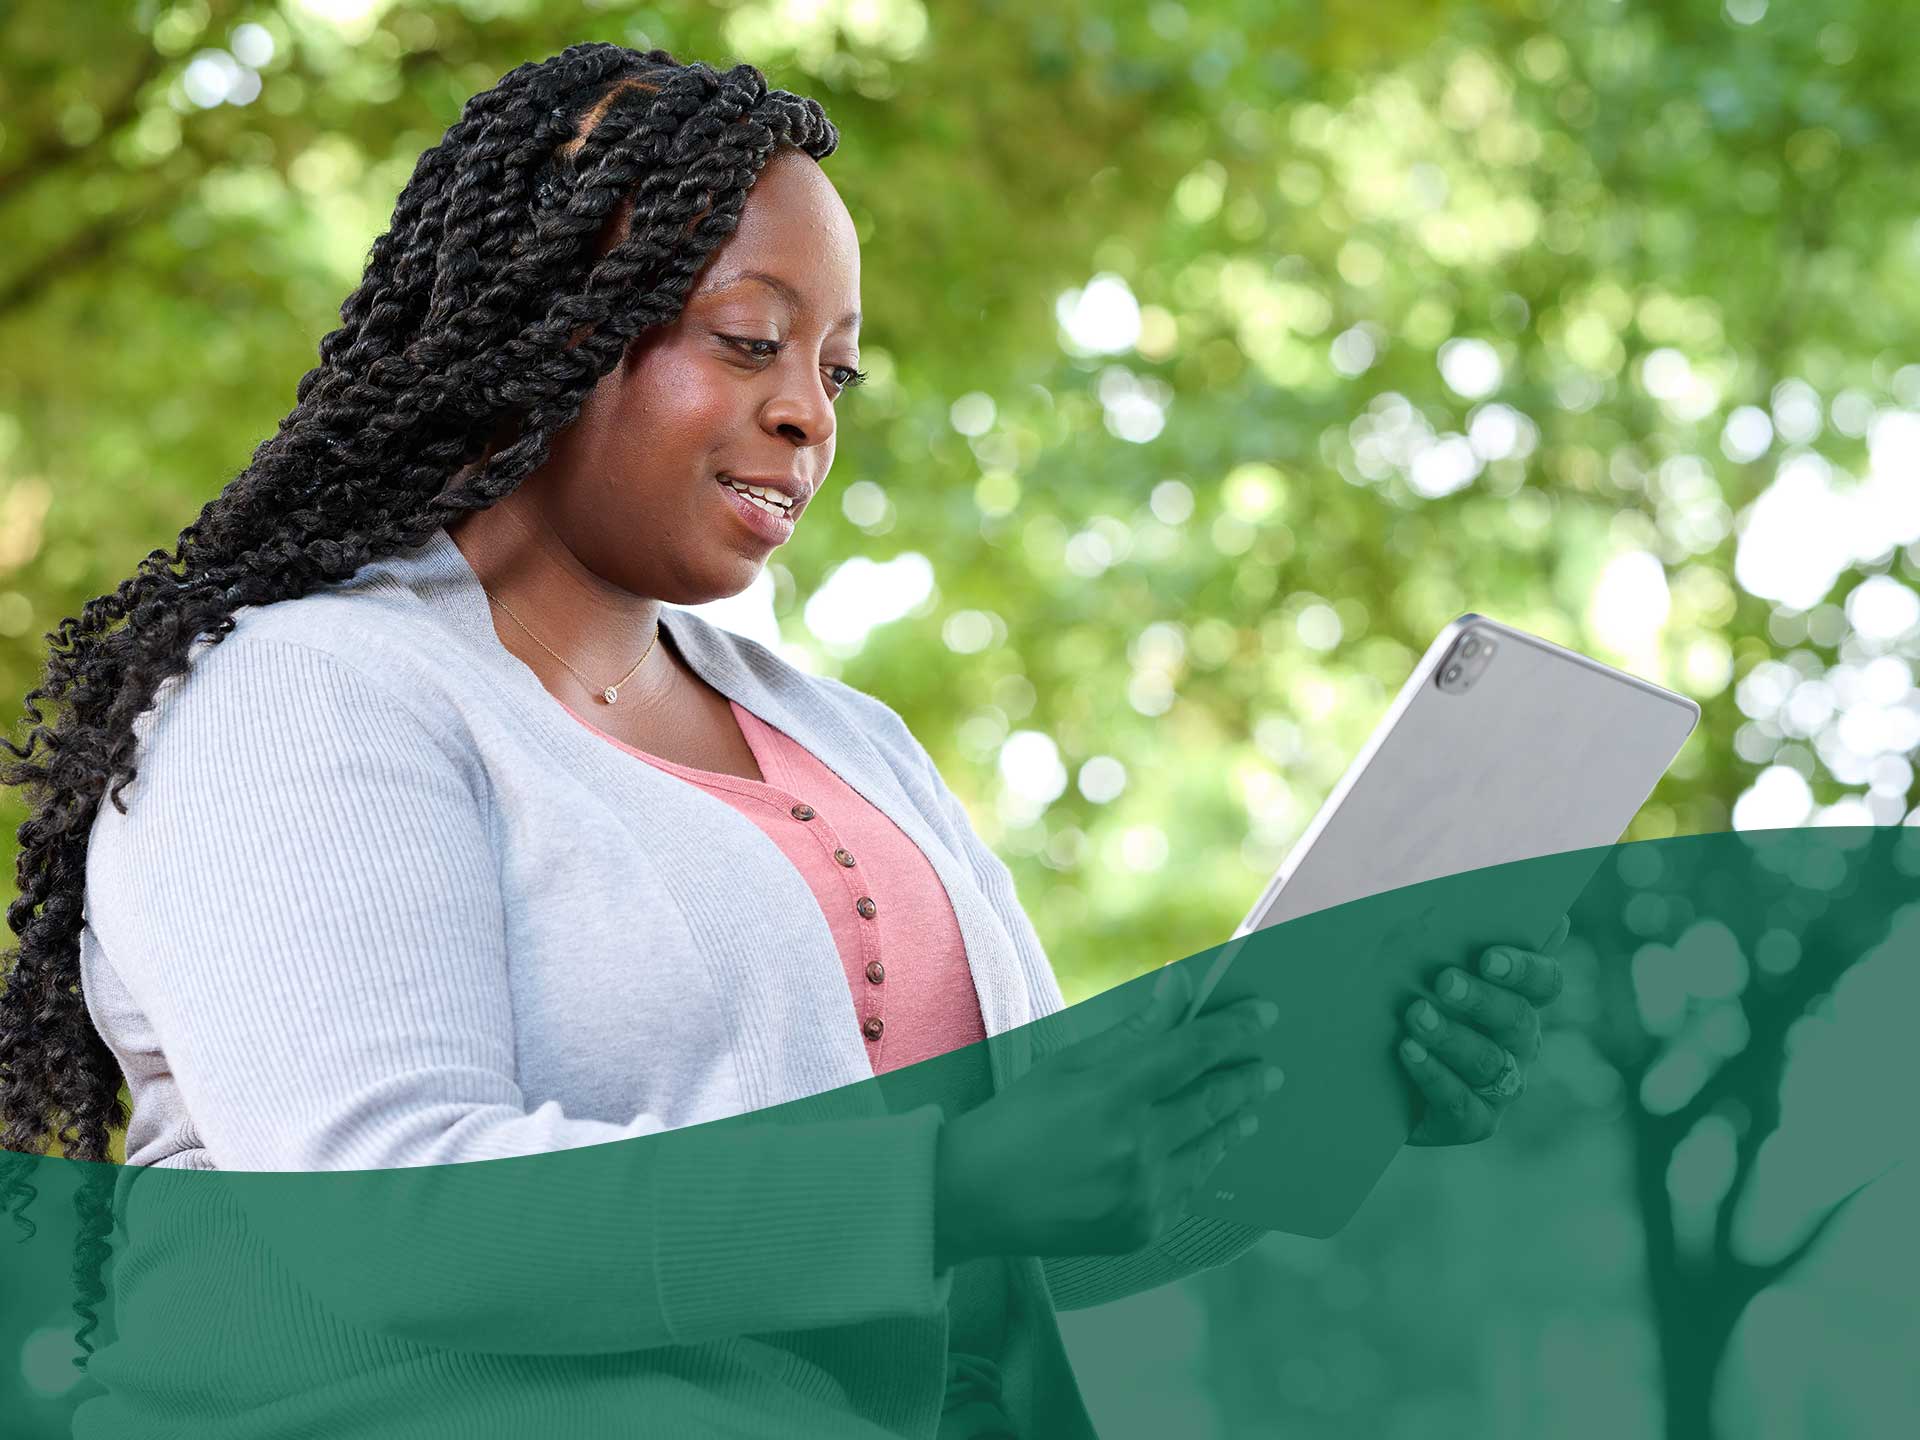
544 591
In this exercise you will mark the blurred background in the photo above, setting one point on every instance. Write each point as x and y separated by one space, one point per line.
1221 353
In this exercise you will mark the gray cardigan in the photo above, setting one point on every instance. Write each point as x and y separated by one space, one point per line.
379 901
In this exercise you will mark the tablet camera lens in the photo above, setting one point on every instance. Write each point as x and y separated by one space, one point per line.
1471 648
1453 672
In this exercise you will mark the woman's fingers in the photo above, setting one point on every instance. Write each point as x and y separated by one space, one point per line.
1525 972
1465 1115
1214 1097
1468 1053
1230 1035
1190 1165
1507 1017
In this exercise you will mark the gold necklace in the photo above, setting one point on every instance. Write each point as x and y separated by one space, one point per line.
612 692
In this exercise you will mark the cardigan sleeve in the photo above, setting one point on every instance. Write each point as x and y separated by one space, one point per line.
1194 1242
303 899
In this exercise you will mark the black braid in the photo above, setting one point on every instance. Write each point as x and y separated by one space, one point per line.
457 337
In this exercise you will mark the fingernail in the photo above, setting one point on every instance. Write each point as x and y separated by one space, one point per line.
1425 1016
1163 987
1498 963
1274 1077
1267 1011
1454 986
1413 1050
1249 1123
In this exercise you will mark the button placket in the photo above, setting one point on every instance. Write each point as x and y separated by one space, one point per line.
873 1027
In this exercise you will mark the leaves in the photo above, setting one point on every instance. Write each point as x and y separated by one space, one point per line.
1410 268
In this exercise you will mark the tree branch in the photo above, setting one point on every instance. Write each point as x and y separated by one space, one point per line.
105 234
47 152
1775 1271
1770 1014
75 251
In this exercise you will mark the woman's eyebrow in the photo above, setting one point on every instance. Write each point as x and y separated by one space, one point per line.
781 288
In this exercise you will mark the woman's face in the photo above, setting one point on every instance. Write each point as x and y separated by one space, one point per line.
633 486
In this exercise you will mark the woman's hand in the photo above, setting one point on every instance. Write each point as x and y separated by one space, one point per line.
1100 1147
1463 1045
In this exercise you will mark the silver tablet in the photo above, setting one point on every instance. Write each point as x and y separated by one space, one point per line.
1501 746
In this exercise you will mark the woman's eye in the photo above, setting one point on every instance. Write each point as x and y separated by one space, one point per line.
845 377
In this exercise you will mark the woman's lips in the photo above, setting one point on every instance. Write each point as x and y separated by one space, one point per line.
774 529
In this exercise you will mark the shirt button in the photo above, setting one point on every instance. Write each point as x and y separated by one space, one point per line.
803 812
872 1027
845 857
865 906
876 972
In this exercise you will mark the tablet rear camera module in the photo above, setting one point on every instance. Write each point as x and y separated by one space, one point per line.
1465 664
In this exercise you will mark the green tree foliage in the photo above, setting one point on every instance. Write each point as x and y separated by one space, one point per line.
1221 354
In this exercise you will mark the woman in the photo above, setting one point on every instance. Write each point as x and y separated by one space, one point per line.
459 846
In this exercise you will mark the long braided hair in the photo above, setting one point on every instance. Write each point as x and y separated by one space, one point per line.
487 314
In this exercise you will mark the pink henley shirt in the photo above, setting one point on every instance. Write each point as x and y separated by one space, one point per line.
905 962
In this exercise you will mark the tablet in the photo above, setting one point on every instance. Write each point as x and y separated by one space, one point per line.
1501 746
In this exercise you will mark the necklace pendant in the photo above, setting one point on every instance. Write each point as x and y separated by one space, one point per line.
610 694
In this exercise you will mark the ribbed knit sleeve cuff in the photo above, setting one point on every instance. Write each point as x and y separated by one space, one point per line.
774 1227
1194 1243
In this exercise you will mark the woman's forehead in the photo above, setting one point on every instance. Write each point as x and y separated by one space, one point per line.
735 279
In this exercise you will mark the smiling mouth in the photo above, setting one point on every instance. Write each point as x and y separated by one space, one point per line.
767 500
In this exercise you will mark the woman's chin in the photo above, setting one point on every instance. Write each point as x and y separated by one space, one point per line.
720 581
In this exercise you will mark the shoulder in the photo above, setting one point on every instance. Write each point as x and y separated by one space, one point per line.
391 640
331 670
281 741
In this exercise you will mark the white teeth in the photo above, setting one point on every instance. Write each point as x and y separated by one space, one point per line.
769 500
